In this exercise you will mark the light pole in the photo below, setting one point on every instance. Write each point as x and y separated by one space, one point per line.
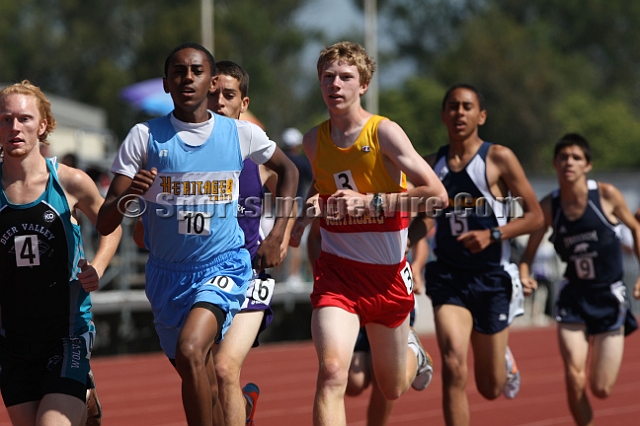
371 45
206 25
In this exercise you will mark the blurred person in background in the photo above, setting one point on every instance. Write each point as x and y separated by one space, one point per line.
292 147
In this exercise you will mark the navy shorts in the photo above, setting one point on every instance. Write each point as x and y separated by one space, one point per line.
600 309
493 297
29 371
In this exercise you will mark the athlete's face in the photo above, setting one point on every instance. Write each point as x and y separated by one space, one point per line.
226 99
188 79
20 125
571 163
340 84
462 114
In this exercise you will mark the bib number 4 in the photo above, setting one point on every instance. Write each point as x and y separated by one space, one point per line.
27 252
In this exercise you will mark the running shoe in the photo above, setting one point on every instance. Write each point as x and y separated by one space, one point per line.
512 385
94 409
425 364
251 393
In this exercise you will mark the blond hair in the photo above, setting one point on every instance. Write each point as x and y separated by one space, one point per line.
351 54
42 103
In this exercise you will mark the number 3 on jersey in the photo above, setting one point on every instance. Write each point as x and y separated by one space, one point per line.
27 253
407 277
344 180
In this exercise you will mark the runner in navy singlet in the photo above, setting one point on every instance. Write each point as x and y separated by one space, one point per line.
474 290
592 306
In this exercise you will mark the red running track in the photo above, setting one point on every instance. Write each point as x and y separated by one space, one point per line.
139 390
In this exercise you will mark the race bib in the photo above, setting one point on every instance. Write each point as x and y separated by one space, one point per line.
262 291
194 223
223 283
27 252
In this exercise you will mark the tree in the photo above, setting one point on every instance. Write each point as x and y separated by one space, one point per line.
89 51
416 108
534 61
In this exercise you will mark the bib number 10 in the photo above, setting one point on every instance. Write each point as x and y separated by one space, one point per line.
27 253
194 223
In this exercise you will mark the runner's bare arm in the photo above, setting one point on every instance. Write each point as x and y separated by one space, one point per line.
397 147
110 215
268 254
614 197
535 238
88 200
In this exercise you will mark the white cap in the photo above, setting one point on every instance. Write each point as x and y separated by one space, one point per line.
291 137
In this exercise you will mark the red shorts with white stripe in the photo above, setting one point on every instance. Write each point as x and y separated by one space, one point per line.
381 294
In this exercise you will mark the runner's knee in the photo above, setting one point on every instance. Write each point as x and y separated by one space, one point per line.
601 391
227 369
333 373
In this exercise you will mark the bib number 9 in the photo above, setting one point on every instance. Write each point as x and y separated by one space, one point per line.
585 269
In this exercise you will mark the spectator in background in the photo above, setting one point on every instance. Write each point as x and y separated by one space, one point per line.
292 147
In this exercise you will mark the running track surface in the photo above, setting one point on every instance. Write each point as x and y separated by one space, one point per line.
139 390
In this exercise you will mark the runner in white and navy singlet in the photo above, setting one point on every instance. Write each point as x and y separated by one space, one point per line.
457 274
592 307
593 292
467 186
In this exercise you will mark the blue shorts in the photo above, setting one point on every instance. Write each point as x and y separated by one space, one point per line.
493 297
259 296
31 370
600 309
173 288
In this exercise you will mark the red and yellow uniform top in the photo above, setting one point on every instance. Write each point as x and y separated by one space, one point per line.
377 240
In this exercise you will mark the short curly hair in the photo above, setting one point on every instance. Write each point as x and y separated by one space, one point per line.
349 53
42 103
